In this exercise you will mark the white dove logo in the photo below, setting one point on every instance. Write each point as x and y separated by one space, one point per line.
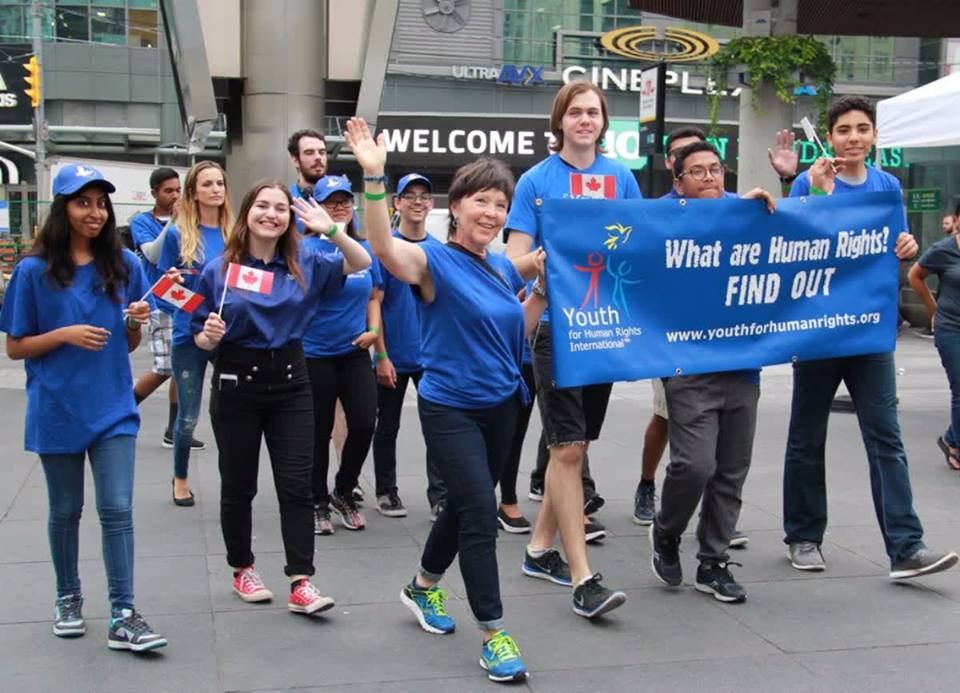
84 172
333 182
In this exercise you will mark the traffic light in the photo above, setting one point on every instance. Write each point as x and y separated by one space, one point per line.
33 79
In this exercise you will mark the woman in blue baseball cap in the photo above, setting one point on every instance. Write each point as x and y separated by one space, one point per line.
73 311
337 347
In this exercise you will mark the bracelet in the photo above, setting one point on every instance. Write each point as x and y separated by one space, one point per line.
375 197
375 330
375 179
788 180
381 356
333 231
814 190
132 325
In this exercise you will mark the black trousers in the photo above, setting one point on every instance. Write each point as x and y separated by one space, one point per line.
264 394
508 479
389 409
350 379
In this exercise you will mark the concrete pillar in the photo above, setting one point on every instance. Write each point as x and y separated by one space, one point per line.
283 54
757 130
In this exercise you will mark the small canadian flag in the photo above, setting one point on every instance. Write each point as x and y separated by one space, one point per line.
180 296
589 185
249 278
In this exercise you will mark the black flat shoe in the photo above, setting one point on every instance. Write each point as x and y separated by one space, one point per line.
952 460
514 525
182 502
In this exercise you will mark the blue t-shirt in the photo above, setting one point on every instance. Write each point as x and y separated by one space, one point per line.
210 247
75 397
400 312
144 228
269 321
876 181
674 195
943 260
341 317
472 331
554 178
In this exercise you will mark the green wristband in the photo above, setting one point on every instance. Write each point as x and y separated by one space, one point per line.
375 330
333 231
381 356
814 190
375 197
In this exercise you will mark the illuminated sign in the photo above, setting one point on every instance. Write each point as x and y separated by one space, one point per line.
611 79
524 75
641 42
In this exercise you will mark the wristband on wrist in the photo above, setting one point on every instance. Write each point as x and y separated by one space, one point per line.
375 197
375 179
132 325
333 231
814 190
381 356
375 330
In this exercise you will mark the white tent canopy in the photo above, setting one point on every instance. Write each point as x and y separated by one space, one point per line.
923 117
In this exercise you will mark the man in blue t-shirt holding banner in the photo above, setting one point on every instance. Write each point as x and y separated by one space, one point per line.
572 417
870 379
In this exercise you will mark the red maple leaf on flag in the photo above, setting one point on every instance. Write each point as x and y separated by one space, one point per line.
593 184
177 295
250 278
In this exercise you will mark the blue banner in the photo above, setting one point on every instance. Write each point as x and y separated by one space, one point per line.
650 288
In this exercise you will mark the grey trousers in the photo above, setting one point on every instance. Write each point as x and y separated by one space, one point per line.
712 421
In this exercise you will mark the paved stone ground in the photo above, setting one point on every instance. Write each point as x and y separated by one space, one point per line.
847 629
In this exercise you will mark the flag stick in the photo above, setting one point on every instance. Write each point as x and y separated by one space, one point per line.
223 298
150 290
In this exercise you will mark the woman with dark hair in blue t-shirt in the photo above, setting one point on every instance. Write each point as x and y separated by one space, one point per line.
73 311
472 328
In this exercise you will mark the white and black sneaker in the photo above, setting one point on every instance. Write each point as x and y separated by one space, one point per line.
513 525
591 599
536 493
68 617
195 444
665 558
130 632
716 579
593 531
390 505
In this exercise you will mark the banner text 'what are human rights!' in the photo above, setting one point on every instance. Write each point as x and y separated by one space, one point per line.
655 288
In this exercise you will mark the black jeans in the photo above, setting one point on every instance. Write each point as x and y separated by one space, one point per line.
471 447
389 409
508 479
350 379
264 393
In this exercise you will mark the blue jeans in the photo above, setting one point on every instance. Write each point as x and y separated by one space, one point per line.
470 447
189 367
111 461
871 380
948 344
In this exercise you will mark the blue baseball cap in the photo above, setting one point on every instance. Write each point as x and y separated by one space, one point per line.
328 185
72 177
413 178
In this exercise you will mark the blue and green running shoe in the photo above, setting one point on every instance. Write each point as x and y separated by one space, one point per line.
500 657
427 606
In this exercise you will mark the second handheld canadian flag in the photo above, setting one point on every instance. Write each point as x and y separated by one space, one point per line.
178 295
249 278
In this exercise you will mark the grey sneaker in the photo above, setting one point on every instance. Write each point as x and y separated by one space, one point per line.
805 555
923 562
390 505
68 618
644 505
129 631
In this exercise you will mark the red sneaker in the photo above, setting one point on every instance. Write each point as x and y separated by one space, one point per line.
249 587
306 599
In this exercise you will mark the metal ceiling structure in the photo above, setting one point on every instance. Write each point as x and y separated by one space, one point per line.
930 18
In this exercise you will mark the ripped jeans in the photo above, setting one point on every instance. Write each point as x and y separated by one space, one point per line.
189 369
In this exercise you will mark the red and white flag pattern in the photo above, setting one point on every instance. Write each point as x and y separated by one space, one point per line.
180 296
600 187
249 278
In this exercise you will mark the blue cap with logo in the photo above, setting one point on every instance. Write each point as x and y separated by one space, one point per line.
72 177
328 185
413 178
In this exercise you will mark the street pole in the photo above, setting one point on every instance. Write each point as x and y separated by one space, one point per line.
39 121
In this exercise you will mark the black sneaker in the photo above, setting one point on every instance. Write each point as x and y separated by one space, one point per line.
550 566
390 505
715 579
435 510
513 525
593 503
68 617
350 516
536 493
593 531
358 496
591 599
665 558
739 540
644 504
130 632
195 444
